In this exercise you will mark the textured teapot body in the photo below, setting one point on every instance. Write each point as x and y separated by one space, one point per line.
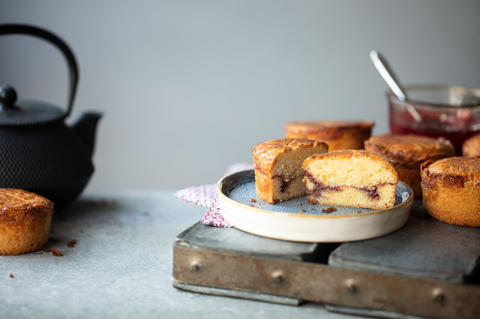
38 152
51 160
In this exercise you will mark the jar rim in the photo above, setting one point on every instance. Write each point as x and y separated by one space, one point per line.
456 89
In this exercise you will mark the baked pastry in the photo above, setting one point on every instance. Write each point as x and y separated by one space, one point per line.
278 167
25 220
451 190
339 135
471 147
350 178
407 152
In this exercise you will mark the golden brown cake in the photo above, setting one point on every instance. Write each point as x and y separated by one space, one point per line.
339 135
278 167
25 220
471 147
451 190
350 178
407 152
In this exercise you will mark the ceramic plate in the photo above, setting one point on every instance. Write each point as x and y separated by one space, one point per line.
296 220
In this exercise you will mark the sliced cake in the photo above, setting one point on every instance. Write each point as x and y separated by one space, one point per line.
278 167
350 178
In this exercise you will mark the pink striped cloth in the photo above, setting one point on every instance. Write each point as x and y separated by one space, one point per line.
206 196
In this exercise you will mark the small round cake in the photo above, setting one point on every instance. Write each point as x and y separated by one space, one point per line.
451 190
25 220
407 152
339 135
471 147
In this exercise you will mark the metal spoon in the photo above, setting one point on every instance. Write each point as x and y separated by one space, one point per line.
388 75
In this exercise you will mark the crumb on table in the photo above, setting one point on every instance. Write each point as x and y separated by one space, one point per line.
253 200
72 243
12 276
55 252
329 210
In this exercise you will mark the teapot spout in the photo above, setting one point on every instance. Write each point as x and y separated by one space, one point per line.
86 128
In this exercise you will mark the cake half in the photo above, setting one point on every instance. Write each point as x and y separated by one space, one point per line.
350 178
278 167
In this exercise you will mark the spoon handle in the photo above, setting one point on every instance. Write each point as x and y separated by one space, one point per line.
387 74
393 83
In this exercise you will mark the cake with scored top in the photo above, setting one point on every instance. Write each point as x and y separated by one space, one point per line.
25 220
337 134
354 178
451 190
471 147
407 152
278 167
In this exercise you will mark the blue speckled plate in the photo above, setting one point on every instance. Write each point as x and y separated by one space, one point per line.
297 220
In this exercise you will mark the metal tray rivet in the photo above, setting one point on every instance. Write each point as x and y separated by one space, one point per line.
350 284
195 266
438 296
277 277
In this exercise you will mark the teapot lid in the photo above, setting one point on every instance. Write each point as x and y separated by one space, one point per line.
25 113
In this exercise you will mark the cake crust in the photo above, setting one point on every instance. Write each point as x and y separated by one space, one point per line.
265 154
471 147
351 154
271 184
409 149
407 152
25 220
451 191
337 134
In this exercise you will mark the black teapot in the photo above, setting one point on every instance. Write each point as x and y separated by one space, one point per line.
38 152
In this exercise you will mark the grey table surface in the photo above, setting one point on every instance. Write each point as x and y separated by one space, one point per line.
121 267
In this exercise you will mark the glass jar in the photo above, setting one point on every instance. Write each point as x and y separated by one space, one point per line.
451 112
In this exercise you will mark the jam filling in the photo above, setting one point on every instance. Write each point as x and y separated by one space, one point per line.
286 182
319 188
372 192
285 185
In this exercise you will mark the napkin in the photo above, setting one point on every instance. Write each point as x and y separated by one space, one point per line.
206 196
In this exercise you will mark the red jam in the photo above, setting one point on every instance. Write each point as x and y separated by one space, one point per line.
454 126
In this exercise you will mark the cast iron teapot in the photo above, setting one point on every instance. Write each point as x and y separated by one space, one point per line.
38 152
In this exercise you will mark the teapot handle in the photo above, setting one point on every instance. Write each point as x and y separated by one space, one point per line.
59 44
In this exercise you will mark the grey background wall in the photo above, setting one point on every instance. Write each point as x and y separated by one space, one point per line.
188 87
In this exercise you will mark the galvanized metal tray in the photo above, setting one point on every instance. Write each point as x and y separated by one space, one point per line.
403 283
